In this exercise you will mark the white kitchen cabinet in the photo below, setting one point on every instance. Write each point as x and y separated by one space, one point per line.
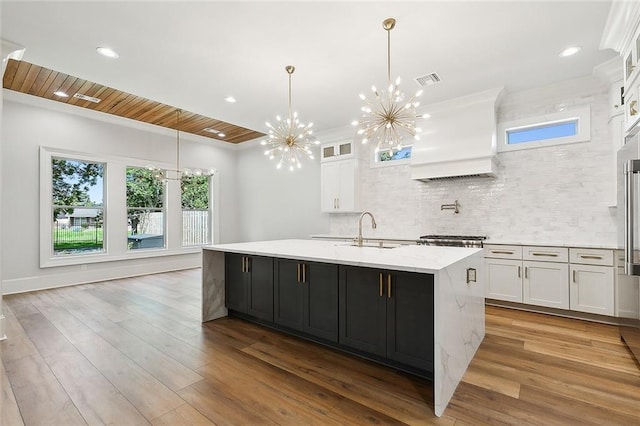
592 281
627 291
339 186
503 272
336 151
504 279
546 284
591 289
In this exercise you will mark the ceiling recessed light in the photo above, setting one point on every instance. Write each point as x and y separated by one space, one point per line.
221 135
211 130
61 94
107 52
570 51
230 99
87 98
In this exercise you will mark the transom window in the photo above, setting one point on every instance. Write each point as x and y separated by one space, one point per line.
558 128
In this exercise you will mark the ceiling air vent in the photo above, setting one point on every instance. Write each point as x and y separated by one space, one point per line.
428 80
87 98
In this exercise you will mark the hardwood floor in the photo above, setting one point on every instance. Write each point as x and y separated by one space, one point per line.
133 352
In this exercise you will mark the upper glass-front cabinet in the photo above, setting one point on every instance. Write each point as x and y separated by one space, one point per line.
337 151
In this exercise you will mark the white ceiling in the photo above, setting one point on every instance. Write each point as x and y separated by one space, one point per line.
193 54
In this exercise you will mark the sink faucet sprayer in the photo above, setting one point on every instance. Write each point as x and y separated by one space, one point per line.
373 225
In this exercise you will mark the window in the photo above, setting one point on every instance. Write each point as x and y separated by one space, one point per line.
392 158
77 207
195 210
145 210
544 131
551 129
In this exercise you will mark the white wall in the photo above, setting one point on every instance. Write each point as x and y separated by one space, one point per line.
31 122
559 194
277 204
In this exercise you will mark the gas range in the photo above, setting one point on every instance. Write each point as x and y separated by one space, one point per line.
452 240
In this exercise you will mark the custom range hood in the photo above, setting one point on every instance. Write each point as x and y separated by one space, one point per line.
459 139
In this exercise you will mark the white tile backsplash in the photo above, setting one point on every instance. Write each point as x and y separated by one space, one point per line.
559 194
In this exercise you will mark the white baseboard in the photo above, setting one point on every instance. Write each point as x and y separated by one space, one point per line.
83 274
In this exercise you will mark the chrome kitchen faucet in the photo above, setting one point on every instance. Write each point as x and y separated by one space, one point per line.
373 225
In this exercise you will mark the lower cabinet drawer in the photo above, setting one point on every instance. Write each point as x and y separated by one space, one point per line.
545 254
601 257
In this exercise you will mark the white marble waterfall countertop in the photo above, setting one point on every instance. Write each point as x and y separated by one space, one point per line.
410 258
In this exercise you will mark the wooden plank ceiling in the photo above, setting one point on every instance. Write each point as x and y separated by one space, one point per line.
38 81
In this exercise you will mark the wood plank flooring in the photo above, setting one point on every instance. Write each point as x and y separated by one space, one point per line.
133 352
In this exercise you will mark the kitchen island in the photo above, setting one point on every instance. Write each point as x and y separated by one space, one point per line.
392 281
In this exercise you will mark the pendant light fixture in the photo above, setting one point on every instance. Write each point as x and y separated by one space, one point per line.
289 139
178 174
387 118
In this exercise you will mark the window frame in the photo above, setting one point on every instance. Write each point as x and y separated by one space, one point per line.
47 255
580 114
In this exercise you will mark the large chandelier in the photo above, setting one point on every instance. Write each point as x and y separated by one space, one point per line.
177 174
289 139
387 118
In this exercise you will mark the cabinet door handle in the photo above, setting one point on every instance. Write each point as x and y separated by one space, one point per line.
304 272
334 204
380 284
526 272
588 256
389 286
248 264
502 252
519 271
298 272
338 199
539 253
244 264
574 276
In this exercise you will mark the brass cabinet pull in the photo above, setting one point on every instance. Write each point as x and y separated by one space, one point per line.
389 286
248 265
501 252
380 284
539 253
526 275
588 256
574 275
519 271
304 272
298 272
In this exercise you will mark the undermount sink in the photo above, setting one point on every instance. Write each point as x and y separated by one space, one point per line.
380 245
